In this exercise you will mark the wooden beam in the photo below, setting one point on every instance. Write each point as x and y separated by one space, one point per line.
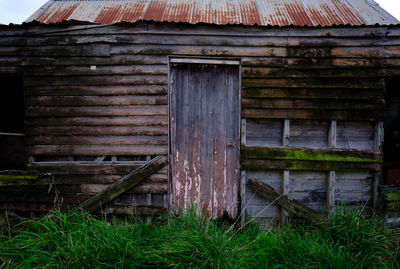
285 191
23 180
124 184
332 135
378 136
244 133
292 206
375 192
308 165
243 196
286 133
266 153
331 190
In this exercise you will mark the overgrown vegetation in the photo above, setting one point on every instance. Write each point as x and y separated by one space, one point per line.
79 240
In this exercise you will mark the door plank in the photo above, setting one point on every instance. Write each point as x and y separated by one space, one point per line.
204 127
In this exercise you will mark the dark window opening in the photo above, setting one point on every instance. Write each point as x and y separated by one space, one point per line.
391 144
12 122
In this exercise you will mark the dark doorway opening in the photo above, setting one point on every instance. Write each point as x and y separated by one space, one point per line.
391 144
12 122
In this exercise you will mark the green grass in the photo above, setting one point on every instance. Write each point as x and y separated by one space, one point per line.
79 240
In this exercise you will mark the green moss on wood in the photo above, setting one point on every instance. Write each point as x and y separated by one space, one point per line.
393 196
310 155
18 177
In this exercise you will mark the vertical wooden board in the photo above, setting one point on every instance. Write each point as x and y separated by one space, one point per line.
309 188
206 150
378 136
194 149
309 134
219 142
205 138
355 135
332 135
264 132
286 133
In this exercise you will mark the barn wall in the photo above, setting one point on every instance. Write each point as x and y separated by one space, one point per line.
96 102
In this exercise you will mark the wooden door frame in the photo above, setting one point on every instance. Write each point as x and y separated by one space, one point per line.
211 61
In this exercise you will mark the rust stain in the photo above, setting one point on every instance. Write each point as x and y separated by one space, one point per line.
133 12
62 15
298 14
350 17
107 15
155 11
247 12
331 18
278 17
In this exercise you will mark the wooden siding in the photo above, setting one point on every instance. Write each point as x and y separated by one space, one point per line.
94 90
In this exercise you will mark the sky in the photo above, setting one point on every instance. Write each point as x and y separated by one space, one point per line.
16 11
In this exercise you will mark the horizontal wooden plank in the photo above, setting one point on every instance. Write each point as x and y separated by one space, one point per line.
325 104
308 165
292 71
11 69
95 80
310 154
214 30
11 60
176 38
361 115
96 90
319 62
343 52
78 180
96 150
100 121
161 39
82 169
98 130
112 60
97 140
307 93
43 197
270 31
96 100
321 83
137 210
27 206
75 50
55 111
96 70
12 40
247 61
197 50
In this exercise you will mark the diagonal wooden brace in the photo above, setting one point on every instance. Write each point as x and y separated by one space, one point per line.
124 184
292 206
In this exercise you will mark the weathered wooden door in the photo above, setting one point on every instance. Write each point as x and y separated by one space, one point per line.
204 137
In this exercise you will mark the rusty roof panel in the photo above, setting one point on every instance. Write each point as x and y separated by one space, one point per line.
247 12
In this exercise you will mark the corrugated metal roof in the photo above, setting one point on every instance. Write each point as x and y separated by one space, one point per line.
247 12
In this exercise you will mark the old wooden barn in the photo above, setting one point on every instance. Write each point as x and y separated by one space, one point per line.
289 93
